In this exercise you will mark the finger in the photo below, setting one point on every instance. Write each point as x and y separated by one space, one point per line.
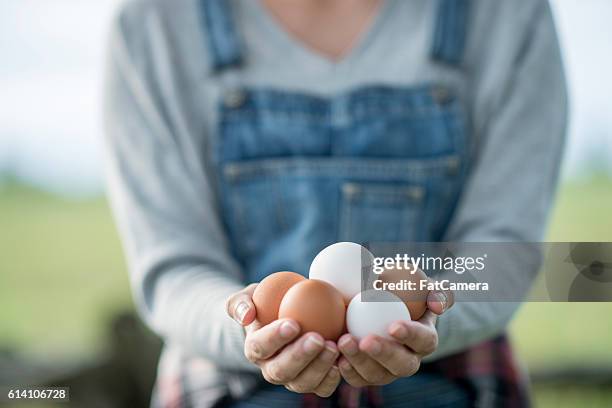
369 369
290 362
240 305
421 337
429 318
396 358
439 301
329 383
266 341
314 373
349 374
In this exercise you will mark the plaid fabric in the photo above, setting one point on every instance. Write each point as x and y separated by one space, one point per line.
490 372
485 375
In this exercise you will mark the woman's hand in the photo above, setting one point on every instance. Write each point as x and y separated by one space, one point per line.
303 364
378 361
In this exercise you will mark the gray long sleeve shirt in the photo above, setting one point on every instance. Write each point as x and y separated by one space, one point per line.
160 116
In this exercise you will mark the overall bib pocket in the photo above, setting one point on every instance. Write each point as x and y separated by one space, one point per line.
380 212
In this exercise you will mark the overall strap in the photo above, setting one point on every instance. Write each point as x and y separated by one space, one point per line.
450 31
225 47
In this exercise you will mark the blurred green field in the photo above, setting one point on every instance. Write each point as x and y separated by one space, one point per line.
62 276
547 333
62 273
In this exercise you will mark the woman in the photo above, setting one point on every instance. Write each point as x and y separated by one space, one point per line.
244 136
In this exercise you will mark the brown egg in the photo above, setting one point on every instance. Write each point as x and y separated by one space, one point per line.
415 300
269 294
316 306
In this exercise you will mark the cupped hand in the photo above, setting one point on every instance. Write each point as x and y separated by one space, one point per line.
303 364
378 361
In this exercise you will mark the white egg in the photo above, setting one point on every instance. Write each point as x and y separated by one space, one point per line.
374 317
341 265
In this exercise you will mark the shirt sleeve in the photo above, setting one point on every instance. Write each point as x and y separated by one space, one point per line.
180 266
520 123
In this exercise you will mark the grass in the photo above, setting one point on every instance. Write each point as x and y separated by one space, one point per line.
552 333
62 275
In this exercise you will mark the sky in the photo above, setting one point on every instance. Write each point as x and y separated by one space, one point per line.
52 61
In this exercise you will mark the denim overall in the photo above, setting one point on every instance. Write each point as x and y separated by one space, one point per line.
297 172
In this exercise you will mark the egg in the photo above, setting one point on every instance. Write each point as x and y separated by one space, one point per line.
341 266
415 300
316 306
374 317
270 292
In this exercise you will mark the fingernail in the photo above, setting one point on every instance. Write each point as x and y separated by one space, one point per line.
441 297
375 347
349 347
330 353
398 330
241 310
288 329
312 344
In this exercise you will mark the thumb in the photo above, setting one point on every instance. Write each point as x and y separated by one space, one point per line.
439 301
240 307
